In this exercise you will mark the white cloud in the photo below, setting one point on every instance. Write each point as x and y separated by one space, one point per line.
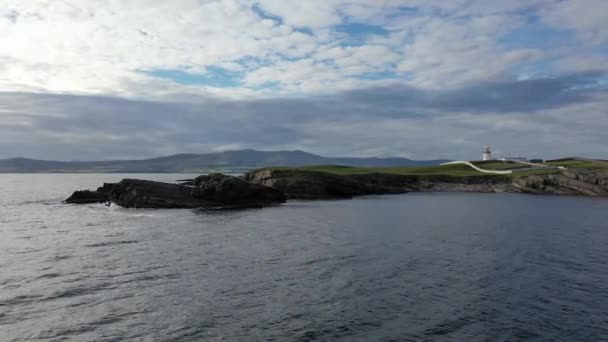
583 61
312 13
445 52
588 18
97 46
104 46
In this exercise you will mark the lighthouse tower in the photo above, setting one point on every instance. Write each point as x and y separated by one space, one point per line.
487 154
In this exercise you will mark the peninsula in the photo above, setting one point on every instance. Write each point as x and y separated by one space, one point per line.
274 185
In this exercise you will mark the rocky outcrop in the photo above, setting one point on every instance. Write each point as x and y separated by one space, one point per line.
304 184
272 186
234 191
588 182
87 197
101 195
213 191
301 184
136 193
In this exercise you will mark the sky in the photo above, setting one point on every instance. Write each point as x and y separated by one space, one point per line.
420 79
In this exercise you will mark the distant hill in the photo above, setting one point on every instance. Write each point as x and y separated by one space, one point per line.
225 161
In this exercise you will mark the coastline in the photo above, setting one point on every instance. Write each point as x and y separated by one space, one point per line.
272 186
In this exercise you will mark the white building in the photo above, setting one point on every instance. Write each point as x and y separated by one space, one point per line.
487 154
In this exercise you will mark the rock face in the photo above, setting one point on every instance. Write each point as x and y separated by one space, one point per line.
213 191
87 197
570 182
441 183
234 191
136 193
303 184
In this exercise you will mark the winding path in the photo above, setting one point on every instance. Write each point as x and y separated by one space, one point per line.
533 166
496 172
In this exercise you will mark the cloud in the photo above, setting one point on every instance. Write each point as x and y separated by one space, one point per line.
101 47
124 48
98 79
588 18
388 120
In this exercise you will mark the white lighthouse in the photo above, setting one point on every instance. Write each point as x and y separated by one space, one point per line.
487 154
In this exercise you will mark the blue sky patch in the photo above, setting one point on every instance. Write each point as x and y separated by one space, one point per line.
378 75
357 34
214 77
535 34
252 63
265 15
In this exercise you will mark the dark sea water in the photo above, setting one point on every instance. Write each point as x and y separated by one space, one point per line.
413 267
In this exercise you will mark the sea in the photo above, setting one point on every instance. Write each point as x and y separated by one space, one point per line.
410 267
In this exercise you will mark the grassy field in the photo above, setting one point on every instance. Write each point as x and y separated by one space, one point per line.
589 164
570 162
453 170
499 165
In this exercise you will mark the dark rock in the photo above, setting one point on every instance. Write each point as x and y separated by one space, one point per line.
574 181
305 184
215 191
597 177
272 186
106 188
229 190
136 193
86 197
302 184
187 182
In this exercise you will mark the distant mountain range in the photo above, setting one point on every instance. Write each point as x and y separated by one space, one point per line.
222 161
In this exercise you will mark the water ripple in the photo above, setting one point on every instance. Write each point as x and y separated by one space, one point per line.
111 243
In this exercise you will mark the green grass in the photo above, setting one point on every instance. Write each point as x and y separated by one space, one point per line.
531 172
588 164
452 170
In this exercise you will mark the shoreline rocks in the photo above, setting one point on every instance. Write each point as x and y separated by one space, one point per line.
300 184
266 187
87 197
136 193
215 191
234 191
585 182
304 184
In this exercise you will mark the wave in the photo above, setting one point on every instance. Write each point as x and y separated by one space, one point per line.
112 243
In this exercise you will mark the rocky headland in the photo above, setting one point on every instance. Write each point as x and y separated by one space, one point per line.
303 184
214 191
266 187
